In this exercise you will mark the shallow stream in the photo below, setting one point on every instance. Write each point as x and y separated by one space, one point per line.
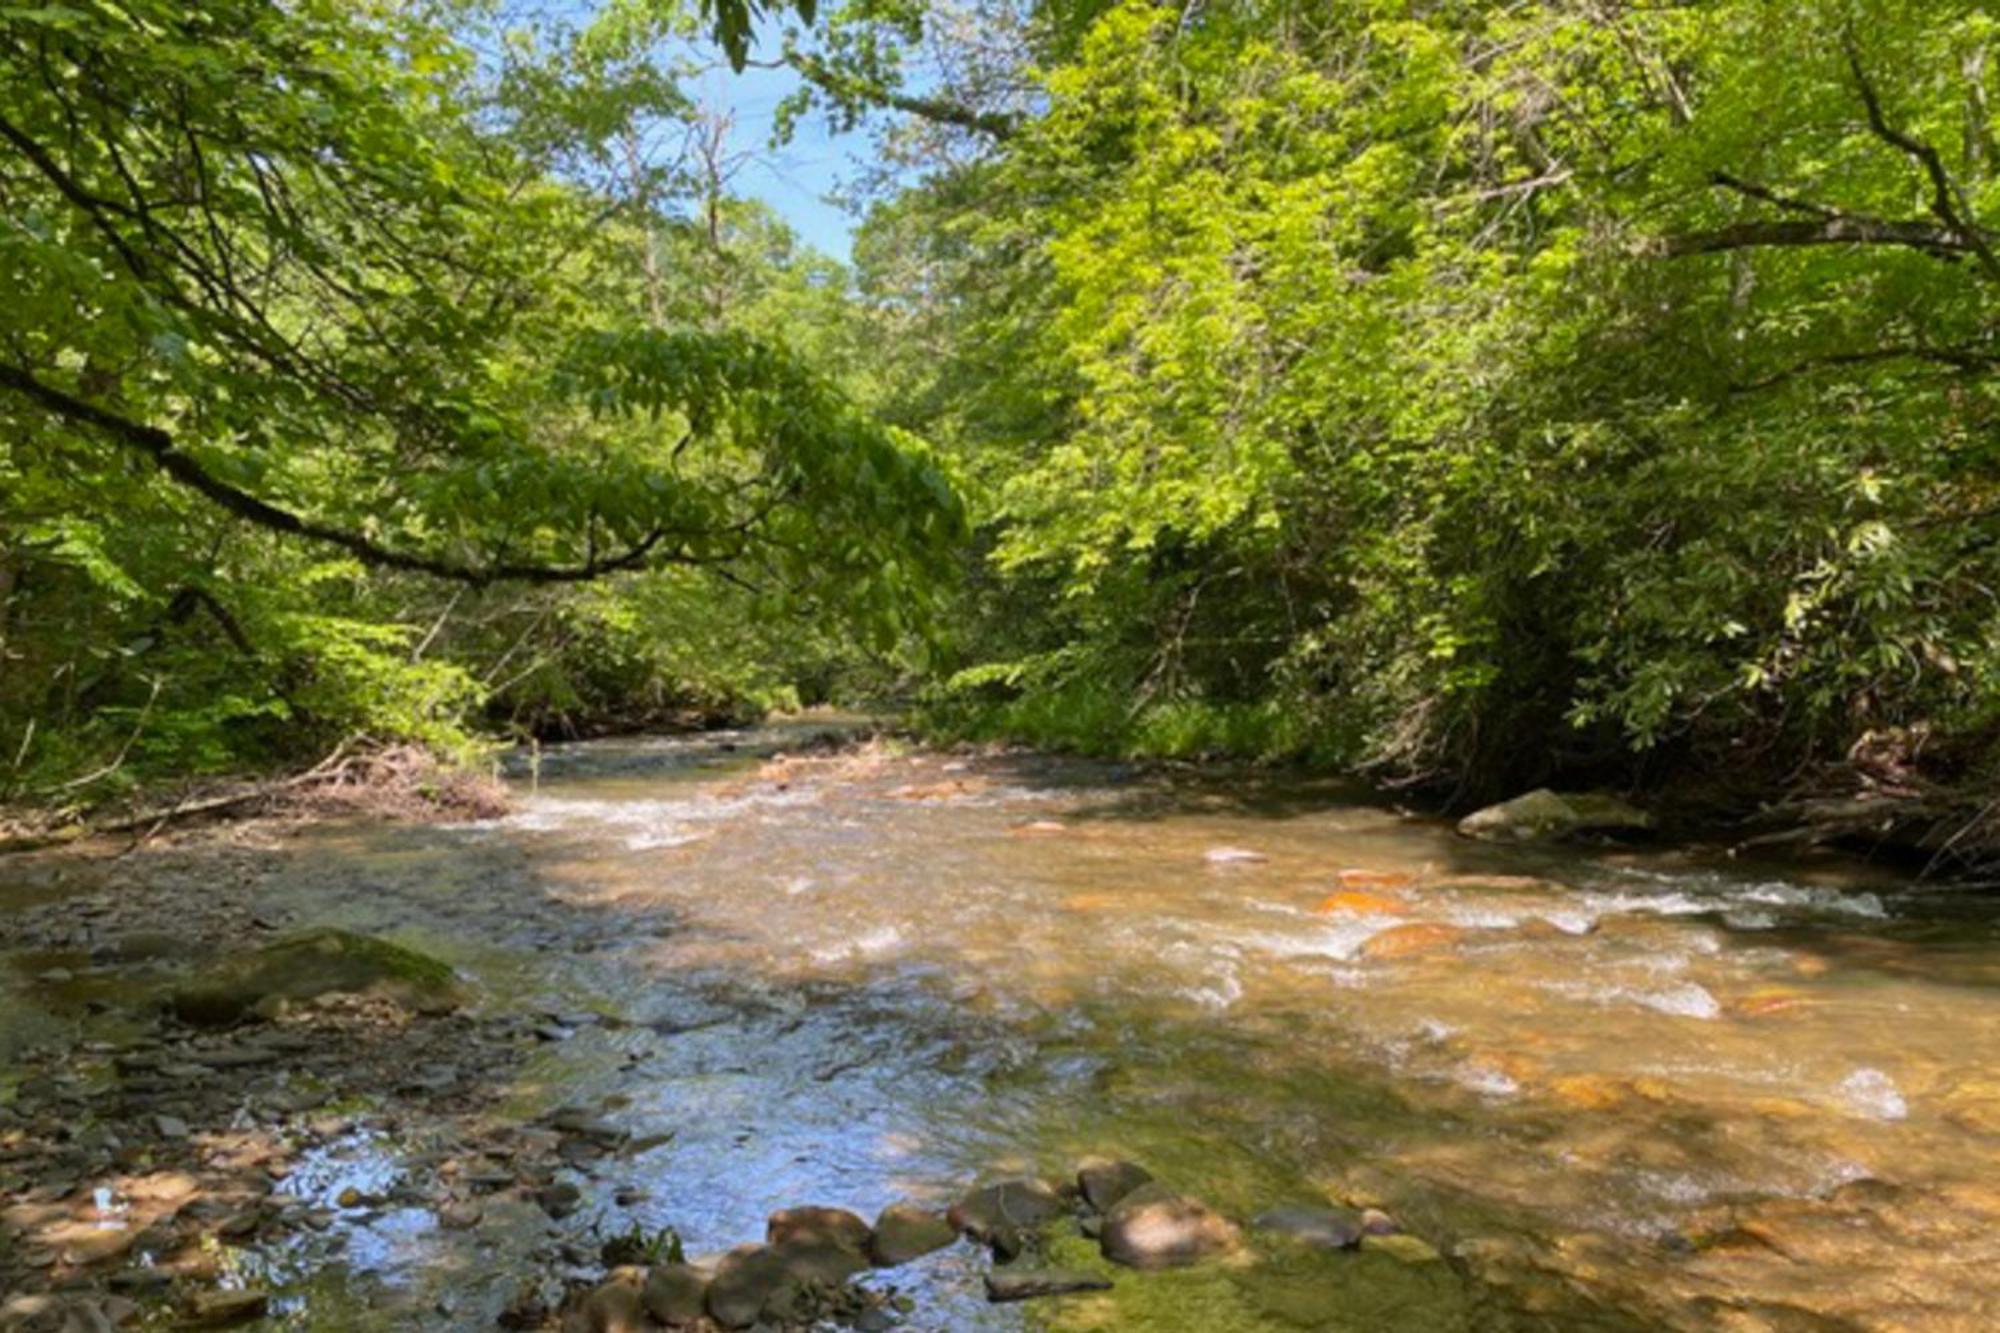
1614 1088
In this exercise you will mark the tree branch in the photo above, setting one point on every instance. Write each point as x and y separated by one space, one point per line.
817 72
1946 201
161 448
1838 229
1793 203
1964 361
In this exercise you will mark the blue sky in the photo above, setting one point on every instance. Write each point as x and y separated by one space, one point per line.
794 179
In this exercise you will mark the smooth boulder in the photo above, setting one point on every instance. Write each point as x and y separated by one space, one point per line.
1320 1228
1543 815
1104 1182
614 1307
830 1226
747 1279
1007 1206
675 1294
755 1279
907 1231
1153 1227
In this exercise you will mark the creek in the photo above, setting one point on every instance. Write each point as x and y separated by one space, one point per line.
1614 1087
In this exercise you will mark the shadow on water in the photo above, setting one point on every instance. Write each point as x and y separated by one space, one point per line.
1614 1089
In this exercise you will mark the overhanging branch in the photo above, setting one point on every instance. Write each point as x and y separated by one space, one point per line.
1838 229
1947 203
817 72
158 445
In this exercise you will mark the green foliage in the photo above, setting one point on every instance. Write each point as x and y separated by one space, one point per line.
1495 389
311 307
1476 391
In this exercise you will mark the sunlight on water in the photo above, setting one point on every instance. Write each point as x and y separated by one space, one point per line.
1639 1082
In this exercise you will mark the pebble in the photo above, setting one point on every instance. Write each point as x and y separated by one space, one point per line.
560 1199
460 1216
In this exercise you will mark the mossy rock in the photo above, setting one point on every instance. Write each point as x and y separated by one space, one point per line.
1542 815
1285 1285
308 965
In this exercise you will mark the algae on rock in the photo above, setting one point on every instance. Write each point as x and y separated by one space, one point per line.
308 965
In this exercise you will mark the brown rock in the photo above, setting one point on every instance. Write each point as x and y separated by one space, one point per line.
1103 1182
831 1226
1021 1204
747 1277
675 1294
752 1279
907 1231
1153 1227
615 1307
1419 937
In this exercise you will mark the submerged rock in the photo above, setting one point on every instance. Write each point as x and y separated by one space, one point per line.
907 1231
1321 1228
559 1199
1233 856
1007 1205
1542 815
1361 1291
1153 1227
219 1309
1026 1284
1411 939
147 946
1359 902
1104 1182
309 965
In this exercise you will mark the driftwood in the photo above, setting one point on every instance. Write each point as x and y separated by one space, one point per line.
1948 830
391 780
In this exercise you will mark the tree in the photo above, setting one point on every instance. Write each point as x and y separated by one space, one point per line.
324 268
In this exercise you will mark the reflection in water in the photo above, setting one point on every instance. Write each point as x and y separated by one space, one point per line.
1618 1088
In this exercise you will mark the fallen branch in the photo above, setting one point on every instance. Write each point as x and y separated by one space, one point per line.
400 781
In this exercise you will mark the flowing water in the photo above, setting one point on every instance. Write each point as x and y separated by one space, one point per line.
1614 1088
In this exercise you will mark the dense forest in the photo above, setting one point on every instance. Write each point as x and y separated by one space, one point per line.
1471 394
